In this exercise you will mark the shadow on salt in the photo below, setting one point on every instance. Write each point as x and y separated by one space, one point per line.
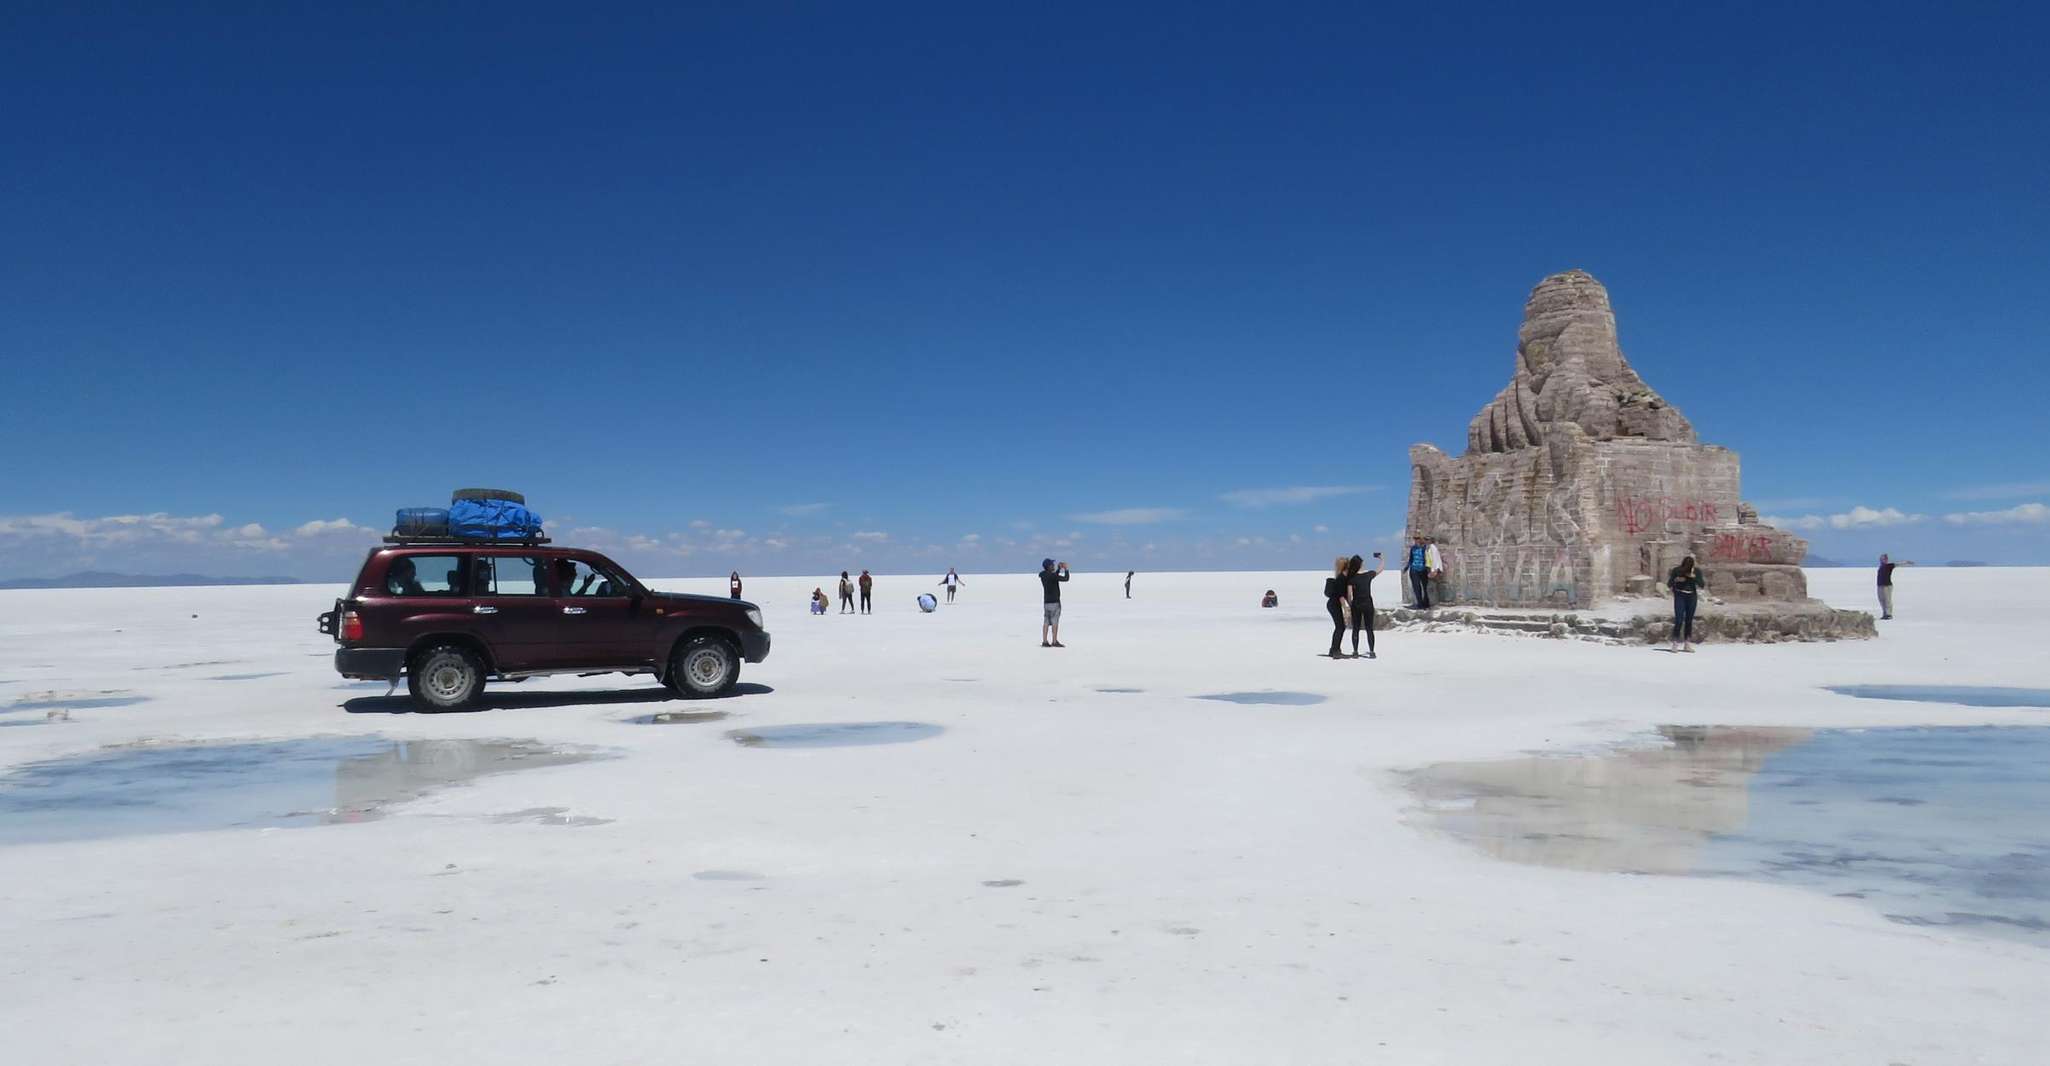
131 791
1932 826
1968 695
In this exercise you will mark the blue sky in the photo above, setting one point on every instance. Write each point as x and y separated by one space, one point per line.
810 288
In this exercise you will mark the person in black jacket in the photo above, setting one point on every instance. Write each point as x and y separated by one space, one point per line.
1050 578
1360 582
1336 588
1686 581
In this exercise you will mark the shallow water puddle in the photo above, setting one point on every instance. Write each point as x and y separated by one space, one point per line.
180 788
1969 695
75 701
1934 826
676 718
834 734
1284 699
1128 691
243 677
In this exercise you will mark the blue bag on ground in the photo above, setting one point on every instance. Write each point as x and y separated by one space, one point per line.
492 520
421 522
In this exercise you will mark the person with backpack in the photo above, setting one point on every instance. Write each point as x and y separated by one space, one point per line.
846 593
868 585
1337 588
1050 578
1422 557
1686 581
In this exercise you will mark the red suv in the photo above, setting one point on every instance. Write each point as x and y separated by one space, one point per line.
448 614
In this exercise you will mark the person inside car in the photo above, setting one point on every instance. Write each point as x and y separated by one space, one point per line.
403 579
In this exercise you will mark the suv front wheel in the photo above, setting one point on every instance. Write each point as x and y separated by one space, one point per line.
445 677
704 666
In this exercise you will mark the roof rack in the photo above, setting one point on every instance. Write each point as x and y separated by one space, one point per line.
503 542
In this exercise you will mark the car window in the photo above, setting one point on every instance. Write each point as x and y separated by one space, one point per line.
509 575
583 579
424 575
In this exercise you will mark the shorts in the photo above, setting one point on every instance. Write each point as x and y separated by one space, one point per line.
1053 614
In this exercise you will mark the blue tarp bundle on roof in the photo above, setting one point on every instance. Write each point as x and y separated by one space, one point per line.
492 520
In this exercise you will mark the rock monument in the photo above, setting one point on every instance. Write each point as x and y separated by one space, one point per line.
1580 483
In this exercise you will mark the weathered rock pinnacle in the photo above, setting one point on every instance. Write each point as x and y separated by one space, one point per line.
1569 369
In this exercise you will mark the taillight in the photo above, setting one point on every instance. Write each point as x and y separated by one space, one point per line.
352 626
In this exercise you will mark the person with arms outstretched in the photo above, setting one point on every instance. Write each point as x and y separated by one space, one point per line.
1886 565
952 579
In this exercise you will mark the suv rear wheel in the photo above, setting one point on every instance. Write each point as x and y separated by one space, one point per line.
704 666
445 677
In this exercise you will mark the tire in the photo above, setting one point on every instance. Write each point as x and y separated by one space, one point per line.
704 666
488 494
445 677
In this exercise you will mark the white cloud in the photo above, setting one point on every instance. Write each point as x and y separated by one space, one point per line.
970 538
799 510
699 523
1290 495
112 529
325 526
1129 516
2021 514
2004 491
871 535
728 534
1860 517
1320 529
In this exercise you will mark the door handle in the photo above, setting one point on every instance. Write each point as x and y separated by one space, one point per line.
573 610
483 610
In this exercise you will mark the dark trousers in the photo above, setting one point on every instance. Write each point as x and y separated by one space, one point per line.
950 593
1683 615
846 602
864 601
1420 588
1337 609
1362 618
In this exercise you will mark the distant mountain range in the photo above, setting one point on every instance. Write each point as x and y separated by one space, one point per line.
101 579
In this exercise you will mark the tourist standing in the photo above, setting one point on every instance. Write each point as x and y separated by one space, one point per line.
1050 578
733 585
1128 583
1336 589
1686 581
952 579
1886 566
1418 566
868 585
1361 582
846 594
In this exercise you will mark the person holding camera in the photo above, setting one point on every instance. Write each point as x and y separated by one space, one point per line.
1050 578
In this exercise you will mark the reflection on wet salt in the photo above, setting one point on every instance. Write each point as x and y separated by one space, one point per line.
75 701
1935 826
1126 691
244 677
170 789
1969 695
833 734
1285 699
677 718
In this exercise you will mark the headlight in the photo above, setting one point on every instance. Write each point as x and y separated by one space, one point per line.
754 614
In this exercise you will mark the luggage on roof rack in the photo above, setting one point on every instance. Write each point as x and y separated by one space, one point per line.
508 542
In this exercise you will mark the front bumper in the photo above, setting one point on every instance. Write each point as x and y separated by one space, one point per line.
754 647
370 664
